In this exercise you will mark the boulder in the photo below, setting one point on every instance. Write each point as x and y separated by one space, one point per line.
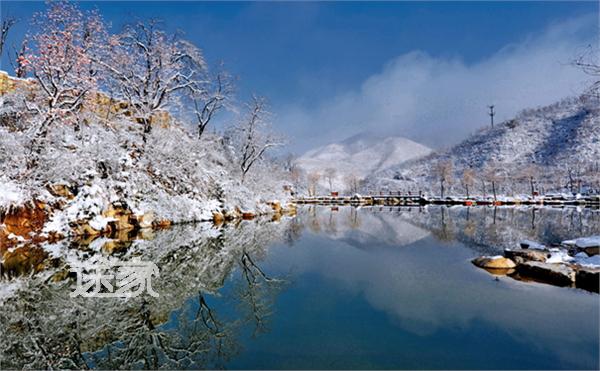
276 206
524 255
23 220
145 220
555 274
528 244
592 250
122 219
588 279
218 218
23 261
591 245
84 229
161 224
494 262
115 246
61 190
248 215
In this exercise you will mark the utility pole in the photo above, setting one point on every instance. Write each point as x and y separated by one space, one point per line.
492 113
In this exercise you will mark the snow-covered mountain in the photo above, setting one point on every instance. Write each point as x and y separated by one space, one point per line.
545 143
359 156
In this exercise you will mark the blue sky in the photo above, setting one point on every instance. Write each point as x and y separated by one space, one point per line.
304 55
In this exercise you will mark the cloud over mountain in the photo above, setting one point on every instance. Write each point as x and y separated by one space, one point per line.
439 100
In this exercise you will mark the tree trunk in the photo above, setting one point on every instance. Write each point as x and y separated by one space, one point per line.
441 188
483 188
532 188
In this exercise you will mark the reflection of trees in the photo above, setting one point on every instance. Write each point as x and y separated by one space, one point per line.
313 219
354 219
256 293
331 226
446 230
493 229
43 327
293 231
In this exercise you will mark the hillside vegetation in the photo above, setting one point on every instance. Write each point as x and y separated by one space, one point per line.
550 149
104 132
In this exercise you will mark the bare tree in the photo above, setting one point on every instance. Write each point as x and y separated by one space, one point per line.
210 97
530 174
313 181
330 174
493 175
589 62
444 170
7 24
253 136
59 57
22 63
468 179
353 182
149 69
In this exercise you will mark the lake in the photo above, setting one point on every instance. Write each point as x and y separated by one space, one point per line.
333 288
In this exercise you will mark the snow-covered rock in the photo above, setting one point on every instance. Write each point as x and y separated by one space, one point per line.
584 242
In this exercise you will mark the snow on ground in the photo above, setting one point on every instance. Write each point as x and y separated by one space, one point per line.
10 194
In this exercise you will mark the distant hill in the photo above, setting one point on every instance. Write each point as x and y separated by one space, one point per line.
359 156
556 146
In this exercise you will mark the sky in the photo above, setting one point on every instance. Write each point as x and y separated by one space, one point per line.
423 70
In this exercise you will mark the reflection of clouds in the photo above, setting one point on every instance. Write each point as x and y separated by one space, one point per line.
362 227
427 286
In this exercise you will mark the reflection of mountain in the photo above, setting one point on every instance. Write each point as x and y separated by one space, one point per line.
429 288
362 227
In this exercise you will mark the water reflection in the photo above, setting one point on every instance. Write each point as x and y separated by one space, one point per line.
332 288
44 327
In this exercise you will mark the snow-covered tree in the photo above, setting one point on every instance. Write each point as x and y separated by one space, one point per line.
444 171
59 56
252 136
589 62
330 174
529 174
493 175
313 181
468 179
210 97
150 70
354 182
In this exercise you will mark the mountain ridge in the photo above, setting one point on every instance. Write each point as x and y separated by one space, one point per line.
359 156
549 146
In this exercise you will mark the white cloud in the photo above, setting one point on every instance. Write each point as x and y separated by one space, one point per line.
439 101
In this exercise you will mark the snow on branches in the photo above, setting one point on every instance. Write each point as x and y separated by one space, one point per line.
150 70
252 136
59 56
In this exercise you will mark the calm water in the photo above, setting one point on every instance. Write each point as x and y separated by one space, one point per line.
368 289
